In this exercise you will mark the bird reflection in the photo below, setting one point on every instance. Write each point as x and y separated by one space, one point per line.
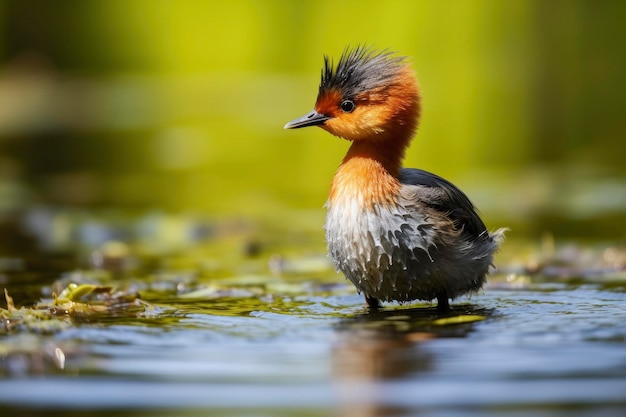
379 348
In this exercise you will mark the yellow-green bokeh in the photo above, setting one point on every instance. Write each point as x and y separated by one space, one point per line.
180 104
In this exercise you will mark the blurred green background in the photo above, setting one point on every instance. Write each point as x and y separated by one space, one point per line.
178 105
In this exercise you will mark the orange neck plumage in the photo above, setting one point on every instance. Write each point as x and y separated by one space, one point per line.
368 174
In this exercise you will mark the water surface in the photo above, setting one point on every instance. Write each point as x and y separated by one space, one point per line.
303 343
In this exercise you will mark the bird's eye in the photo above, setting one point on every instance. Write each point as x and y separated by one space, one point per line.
347 106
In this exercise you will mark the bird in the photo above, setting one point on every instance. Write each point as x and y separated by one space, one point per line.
398 234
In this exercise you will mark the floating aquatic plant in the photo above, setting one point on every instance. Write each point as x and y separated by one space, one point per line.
73 302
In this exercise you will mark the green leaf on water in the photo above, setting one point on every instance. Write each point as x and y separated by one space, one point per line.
463 318
75 292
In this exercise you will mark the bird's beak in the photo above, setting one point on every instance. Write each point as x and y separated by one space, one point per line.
312 119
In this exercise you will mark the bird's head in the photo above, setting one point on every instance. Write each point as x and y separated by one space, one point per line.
370 95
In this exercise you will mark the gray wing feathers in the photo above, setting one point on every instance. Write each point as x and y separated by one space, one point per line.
444 196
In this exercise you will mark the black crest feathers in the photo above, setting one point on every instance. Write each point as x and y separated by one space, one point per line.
360 69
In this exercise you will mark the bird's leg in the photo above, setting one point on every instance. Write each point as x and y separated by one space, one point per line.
442 301
372 302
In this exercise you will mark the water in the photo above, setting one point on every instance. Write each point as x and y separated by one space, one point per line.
302 343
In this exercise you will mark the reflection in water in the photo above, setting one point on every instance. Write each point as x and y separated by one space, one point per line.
385 346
